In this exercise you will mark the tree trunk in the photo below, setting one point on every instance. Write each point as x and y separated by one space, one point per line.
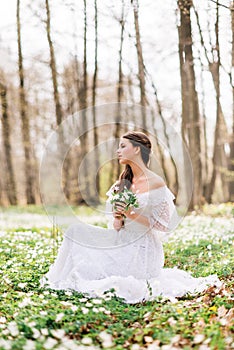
28 165
231 144
190 107
58 108
115 165
141 73
95 130
6 132
83 105
219 158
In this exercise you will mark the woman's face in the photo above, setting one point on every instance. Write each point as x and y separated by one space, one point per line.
126 151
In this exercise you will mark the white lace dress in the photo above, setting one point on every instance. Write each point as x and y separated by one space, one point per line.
93 260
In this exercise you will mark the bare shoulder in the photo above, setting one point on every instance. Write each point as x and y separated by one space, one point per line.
155 181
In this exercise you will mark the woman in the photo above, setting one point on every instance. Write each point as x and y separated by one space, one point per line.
129 256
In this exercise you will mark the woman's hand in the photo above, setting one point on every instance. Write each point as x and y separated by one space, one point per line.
119 210
118 224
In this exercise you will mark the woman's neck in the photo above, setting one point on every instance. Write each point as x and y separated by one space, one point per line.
138 170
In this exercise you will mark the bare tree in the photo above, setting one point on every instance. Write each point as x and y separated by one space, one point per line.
115 165
58 108
83 106
6 133
219 159
231 144
141 73
190 108
95 130
28 166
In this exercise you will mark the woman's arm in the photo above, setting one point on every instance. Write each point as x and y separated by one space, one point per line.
120 212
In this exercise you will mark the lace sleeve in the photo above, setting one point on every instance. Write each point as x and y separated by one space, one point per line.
160 216
162 213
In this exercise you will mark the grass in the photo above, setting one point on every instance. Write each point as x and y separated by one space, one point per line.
35 318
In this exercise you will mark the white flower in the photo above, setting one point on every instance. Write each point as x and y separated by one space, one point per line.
59 317
6 344
44 331
88 304
66 303
198 338
106 339
22 285
95 310
2 319
68 293
50 343
135 347
29 345
87 341
96 301
13 329
43 313
101 309
7 280
36 333
74 308
83 300
58 333
84 310
25 302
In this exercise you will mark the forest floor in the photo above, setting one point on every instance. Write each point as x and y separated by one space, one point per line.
35 318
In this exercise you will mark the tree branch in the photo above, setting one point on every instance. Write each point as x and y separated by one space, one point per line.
219 4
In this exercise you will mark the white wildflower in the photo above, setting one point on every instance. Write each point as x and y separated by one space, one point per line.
29 345
88 304
13 329
36 333
101 309
22 285
50 343
74 308
135 347
95 310
43 313
25 302
84 310
68 293
2 319
59 317
44 331
58 333
198 338
96 301
87 341
83 300
6 344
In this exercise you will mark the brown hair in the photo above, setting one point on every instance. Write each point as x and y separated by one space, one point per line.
138 139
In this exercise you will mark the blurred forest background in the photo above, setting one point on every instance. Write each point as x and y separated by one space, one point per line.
173 58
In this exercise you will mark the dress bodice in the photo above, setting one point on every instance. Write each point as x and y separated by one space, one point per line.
157 205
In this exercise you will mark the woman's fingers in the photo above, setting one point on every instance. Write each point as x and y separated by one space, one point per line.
120 206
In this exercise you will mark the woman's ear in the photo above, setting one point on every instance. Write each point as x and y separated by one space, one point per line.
137 149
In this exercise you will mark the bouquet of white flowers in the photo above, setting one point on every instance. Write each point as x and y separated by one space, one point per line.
126 196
